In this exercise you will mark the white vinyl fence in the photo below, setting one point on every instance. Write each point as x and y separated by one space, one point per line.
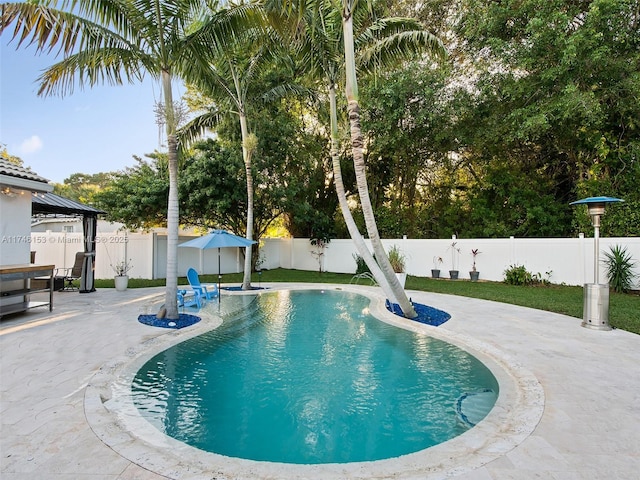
145 252
560 260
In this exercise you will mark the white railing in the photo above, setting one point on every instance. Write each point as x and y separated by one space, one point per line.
561 260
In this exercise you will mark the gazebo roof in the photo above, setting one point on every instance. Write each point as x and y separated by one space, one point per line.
52 204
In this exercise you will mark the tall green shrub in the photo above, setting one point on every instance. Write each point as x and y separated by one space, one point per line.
361 265
619 265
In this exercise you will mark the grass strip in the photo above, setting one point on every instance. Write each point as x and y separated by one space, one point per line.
624 309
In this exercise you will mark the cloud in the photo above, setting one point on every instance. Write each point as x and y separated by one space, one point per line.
32 144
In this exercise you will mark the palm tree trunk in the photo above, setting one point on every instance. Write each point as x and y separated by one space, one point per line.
173 214
344 206
353 109
247 151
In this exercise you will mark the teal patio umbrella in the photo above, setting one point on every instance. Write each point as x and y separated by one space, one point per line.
218 239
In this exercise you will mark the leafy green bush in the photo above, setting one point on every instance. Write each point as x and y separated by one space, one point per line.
517 275
619 269
361 265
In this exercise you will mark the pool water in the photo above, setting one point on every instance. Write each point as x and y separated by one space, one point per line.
309 377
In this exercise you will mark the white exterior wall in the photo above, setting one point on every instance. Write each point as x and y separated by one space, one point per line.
15 241
569 260
15 220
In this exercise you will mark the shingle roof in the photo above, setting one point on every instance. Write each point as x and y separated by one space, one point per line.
13 170
46 203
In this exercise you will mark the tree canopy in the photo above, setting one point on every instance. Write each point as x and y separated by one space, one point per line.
537 105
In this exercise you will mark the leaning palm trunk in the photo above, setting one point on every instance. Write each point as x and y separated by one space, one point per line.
247 150
171 297
353 109
344 206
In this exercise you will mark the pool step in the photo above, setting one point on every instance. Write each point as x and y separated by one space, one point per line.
472 407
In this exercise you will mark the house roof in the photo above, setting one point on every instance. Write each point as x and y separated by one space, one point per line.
45 202
12 175
52 204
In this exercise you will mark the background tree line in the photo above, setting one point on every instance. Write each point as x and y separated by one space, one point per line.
538 105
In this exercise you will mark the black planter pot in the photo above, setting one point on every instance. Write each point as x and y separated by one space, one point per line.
453 274
474 276
435 273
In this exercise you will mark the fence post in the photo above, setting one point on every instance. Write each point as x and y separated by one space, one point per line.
512 260
583 260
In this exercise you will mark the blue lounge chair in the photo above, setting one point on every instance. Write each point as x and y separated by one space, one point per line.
207 292
189 299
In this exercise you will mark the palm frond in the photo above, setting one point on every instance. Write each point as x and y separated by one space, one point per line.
386 27
112 66
399 47
197 127
229 26
216 81
104 55
48 28
289 89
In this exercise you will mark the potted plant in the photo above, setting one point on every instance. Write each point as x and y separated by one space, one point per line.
121 279
397 261
455 251
435 271
474 274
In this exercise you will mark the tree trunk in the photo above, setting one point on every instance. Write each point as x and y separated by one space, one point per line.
173 214
247 151
344 206
353 109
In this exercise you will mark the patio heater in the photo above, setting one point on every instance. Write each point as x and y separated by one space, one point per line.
595 311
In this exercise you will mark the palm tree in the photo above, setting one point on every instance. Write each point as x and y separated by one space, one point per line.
110 41
227 79
383 42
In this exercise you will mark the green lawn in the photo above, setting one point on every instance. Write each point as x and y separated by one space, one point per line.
624 310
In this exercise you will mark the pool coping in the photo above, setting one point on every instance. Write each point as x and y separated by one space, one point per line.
113 418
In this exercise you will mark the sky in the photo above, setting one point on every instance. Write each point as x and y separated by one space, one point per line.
88 131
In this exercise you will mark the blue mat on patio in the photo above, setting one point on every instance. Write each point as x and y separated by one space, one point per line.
426 314
185 320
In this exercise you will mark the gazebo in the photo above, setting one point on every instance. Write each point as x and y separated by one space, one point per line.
52 205
24 194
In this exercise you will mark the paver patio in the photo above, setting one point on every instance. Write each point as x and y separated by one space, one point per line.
589 429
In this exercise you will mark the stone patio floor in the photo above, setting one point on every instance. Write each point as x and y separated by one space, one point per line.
589 427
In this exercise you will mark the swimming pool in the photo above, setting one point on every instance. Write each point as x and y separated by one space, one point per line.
309 378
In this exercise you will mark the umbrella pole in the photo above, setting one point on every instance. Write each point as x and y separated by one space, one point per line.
219 277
